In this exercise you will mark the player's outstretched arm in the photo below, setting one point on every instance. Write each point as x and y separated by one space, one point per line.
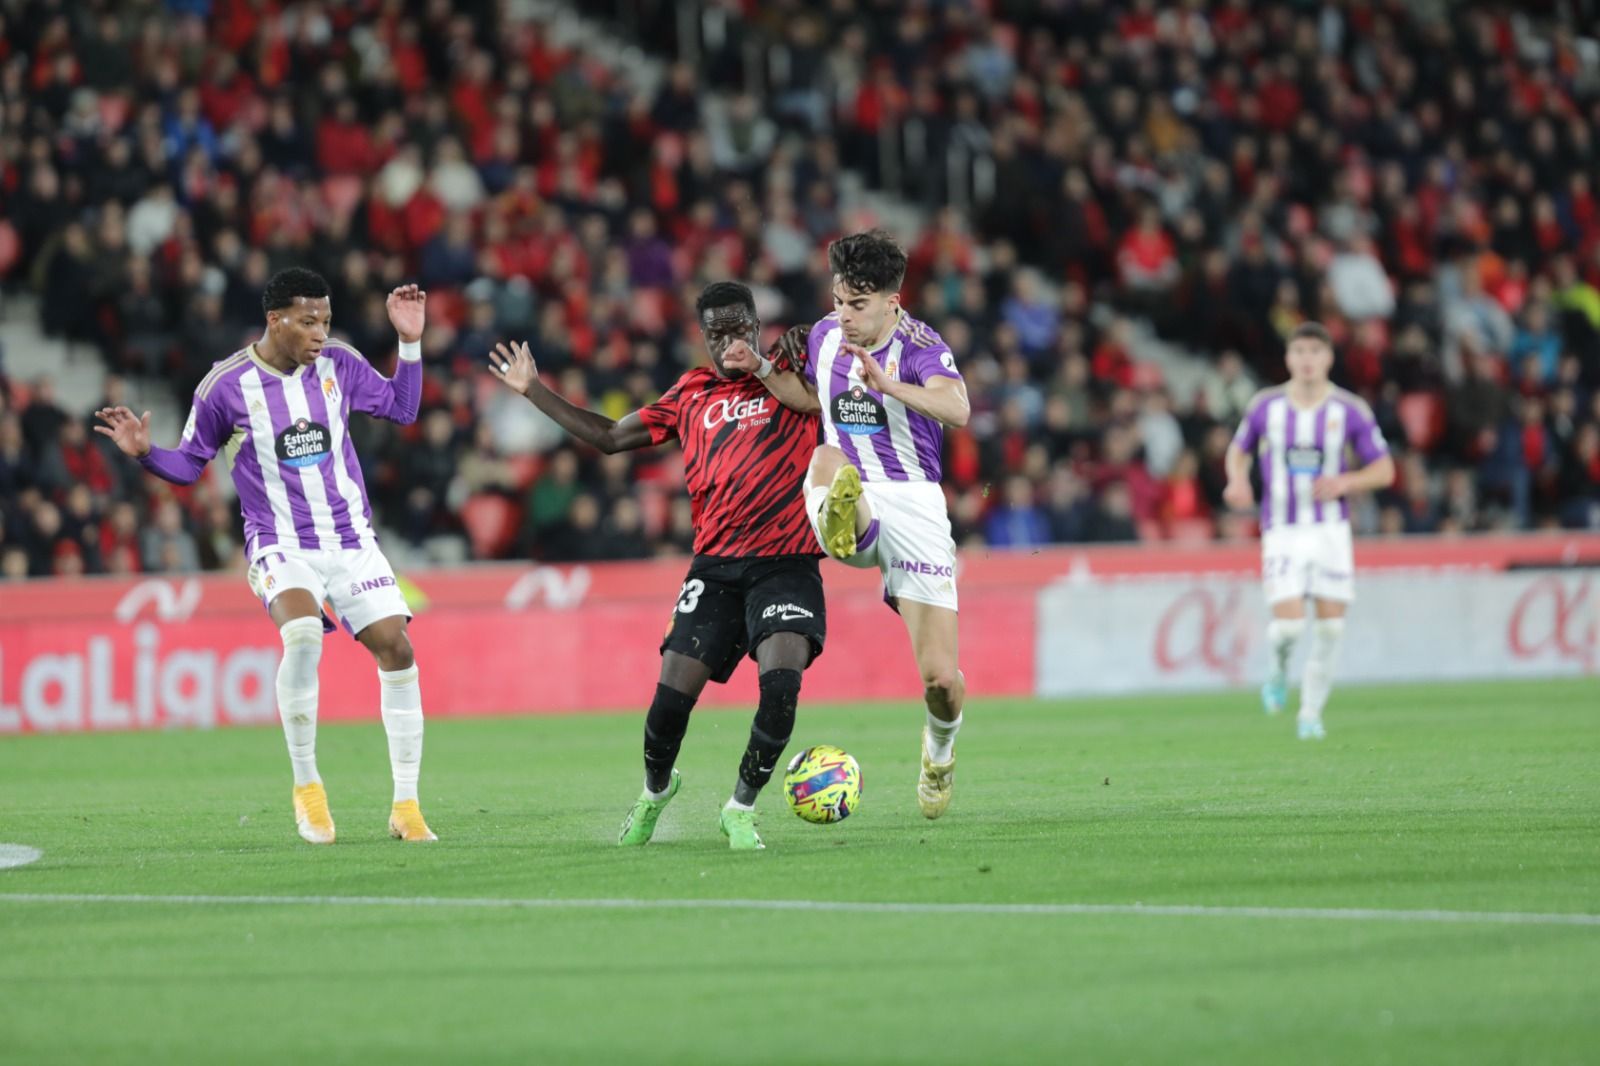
515 368
131 434
787 387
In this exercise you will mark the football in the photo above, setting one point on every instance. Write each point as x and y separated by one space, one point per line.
823 784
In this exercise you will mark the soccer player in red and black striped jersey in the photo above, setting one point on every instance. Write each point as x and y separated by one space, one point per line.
754 586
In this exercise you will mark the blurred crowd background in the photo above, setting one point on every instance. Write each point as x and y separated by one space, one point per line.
1115 211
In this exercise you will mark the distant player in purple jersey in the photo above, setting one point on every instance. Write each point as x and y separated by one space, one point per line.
279 412
886 385
1303 432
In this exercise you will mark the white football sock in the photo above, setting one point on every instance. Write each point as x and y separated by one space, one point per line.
942 738
1318 680
401 704
735 805
814 497
297 694
1282 633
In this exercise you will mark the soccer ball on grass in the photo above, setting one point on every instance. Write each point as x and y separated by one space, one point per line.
823 784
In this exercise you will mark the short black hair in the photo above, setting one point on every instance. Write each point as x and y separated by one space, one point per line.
868 262
1315 331
724 294
284 287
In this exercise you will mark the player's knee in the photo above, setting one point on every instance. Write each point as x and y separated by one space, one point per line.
302 640
825 462
941 681
393 650
780 690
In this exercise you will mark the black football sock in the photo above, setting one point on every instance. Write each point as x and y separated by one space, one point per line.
769 733
664 727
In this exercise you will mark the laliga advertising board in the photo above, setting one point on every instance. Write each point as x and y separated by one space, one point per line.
197 651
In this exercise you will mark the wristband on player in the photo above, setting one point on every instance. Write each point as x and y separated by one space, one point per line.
411 351
763 368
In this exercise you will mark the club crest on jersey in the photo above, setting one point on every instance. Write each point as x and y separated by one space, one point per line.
305 443
330 389
859 413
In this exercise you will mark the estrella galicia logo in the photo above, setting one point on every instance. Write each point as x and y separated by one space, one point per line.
305 443
859 412
1304 459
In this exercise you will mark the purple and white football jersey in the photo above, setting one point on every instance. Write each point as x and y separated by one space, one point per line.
286 440
886 440
1295 447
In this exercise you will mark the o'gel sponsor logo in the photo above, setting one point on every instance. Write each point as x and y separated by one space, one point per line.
858 412
744 412
305 443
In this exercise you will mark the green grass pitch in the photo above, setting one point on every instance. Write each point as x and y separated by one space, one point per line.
1480 798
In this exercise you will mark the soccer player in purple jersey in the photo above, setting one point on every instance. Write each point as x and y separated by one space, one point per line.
278 410
886 385
1302 432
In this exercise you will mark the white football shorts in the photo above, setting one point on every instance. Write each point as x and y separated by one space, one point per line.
1310 560
913 548
358 582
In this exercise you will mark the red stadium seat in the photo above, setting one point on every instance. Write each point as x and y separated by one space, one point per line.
491 522
1422 415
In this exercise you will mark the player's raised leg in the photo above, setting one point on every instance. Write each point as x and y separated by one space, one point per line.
400 702
935 644
682 680
1327 630
840 513
298 617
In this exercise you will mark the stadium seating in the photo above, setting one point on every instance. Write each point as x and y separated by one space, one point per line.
1080 186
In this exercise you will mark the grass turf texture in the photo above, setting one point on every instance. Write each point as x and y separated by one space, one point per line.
1479 798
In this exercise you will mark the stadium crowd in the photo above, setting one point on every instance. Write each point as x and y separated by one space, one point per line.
1220 169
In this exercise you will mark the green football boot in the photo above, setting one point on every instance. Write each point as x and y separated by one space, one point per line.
740 829
640 824
839 513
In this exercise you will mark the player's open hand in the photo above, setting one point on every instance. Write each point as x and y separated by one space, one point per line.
740 356
1324 489
871 373
789 351
129 432
407 311
513 364
1239 495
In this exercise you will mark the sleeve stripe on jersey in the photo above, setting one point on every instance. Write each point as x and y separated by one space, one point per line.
1357 402
347 346
219 371
1263 397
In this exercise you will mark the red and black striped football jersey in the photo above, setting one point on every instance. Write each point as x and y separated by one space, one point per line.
745 457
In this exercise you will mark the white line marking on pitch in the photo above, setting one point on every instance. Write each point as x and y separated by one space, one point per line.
1350 914
17 855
